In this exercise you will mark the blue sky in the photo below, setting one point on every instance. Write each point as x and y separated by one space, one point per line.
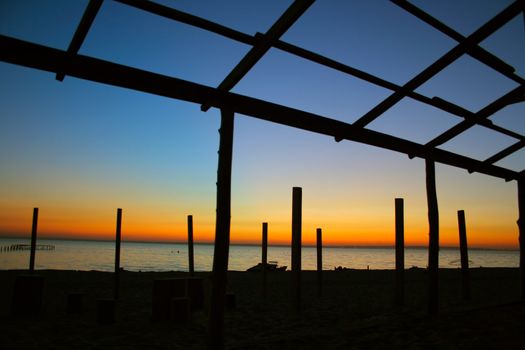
82 149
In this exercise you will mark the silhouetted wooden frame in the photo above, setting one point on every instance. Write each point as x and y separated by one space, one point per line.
70 63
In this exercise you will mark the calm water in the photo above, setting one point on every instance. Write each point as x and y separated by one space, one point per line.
95 255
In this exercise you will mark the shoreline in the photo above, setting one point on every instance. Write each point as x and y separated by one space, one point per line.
356 310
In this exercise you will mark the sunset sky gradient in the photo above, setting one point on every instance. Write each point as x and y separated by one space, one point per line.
79 150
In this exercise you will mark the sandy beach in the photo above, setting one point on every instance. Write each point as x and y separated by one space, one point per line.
356 311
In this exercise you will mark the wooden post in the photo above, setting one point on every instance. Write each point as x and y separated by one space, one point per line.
400 252
463 249
433 239
521 226
319 262
191 267
264 258
296 246
117 252
222 232
33 240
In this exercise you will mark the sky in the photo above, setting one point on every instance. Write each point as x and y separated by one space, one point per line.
79 150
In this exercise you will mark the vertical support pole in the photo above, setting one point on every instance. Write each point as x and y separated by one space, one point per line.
319 262
463 249
296 246
191 266
400 252
521 226
33 240
117 253
222 231
264 257
433 238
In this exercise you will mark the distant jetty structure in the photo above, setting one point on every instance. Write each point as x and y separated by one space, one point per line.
18 247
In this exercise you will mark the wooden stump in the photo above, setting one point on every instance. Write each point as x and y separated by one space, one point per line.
180 309
105 311
196 292
27 295
231 302
75 303
164 290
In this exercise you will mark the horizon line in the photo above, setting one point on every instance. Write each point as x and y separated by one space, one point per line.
308 245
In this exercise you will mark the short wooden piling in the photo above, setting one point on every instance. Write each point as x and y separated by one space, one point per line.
296 247
191 267
75 302
521 227
33 240
319 262
27 295
433 237
264 257
196 293
463 249
400 252
180 310
117 253
105 311
164 290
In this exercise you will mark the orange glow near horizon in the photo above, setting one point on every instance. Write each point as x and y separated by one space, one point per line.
279 233
368 222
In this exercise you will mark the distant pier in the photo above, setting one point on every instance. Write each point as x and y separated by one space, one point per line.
18 247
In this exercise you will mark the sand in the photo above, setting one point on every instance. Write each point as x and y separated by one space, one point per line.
355 312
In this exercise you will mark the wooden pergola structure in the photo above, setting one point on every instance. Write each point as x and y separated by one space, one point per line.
70 63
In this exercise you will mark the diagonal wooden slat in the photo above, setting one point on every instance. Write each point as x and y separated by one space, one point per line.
482 33
83 28
233 34
288 18
183 17
476 51
510 97
506 152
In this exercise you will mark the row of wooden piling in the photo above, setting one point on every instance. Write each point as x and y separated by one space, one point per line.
296 253
433 294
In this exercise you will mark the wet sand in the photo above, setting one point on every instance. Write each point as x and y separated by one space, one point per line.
356 311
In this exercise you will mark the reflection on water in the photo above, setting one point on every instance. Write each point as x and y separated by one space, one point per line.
96 255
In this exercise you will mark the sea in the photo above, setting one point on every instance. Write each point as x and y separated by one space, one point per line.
135 256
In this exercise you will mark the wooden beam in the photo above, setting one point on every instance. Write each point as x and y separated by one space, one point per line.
222 232
464 46
45 58
83 28
183 17
475 51
287 19
241 37
479 116
504 153
433 238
